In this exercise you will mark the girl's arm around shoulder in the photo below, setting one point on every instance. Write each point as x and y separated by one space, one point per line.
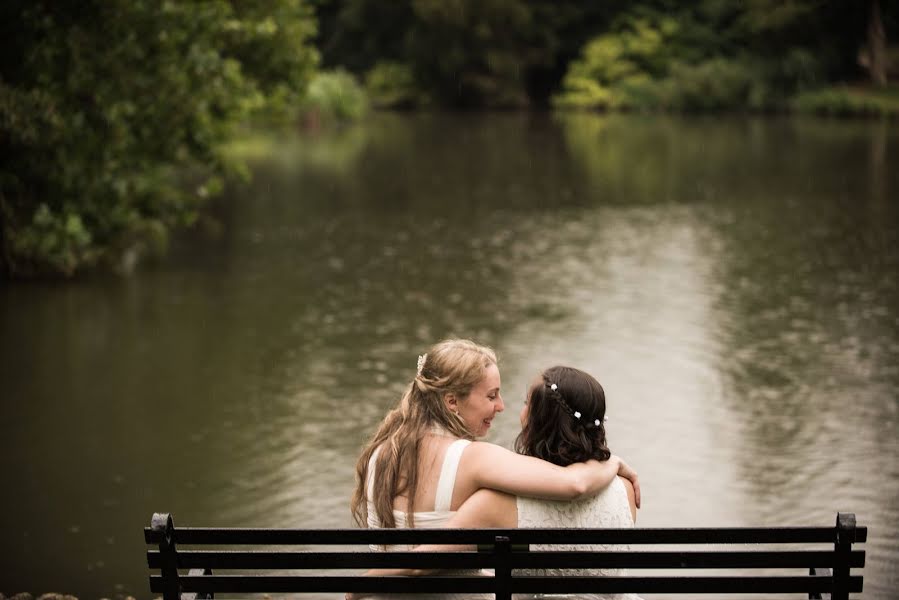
631 497
494 467
625 471
483 509
486 508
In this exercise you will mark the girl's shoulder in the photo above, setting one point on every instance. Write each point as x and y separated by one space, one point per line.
485 448
475 459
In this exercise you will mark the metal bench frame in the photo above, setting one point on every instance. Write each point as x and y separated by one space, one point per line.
271 569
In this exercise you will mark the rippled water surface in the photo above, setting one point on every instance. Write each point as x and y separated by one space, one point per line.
732 282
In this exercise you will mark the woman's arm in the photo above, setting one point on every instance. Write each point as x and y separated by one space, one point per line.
484 508
630 477
631 498
494 467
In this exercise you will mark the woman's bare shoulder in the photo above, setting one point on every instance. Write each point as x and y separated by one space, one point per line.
477 453
480 446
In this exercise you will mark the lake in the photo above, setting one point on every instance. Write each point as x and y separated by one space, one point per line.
732 282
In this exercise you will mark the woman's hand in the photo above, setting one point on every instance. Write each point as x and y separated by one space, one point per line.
628 473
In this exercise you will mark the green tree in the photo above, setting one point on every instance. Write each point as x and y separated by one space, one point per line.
272 39
113 114
561 29
459 53
725 54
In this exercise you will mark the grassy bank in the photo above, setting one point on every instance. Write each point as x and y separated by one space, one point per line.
845 100
48 596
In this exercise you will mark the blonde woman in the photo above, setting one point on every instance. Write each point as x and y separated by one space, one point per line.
422 463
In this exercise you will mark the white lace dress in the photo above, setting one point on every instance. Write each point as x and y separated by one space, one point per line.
608 509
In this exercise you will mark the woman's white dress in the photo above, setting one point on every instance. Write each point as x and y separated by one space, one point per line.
609 509
434 519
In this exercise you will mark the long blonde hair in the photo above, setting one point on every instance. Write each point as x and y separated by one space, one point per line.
450 367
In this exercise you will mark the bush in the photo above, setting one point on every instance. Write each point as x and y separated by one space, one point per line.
616 69
337 95
393 85
585 93
707 58
715 84
845 101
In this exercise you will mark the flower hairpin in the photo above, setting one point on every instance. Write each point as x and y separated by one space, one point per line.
553 387
421 363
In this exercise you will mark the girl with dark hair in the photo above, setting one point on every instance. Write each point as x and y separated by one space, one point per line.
563 419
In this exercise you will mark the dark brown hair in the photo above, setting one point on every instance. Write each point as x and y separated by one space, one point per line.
562 421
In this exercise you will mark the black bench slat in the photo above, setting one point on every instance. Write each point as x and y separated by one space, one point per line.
267 566
683 560
324 560
730 535
531 560
193 595
679 584
289 583
518 584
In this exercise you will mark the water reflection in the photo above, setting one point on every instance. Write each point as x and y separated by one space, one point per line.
732 282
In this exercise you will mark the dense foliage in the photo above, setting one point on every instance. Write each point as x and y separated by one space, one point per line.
113 113
709 54
717 55
462 53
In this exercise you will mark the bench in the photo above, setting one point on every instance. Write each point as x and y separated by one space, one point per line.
743 559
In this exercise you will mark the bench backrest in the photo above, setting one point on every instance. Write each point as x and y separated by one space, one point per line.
742 559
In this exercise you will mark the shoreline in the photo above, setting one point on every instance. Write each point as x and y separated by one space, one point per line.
53 596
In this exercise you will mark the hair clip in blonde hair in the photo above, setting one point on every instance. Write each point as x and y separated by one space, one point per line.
421 363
